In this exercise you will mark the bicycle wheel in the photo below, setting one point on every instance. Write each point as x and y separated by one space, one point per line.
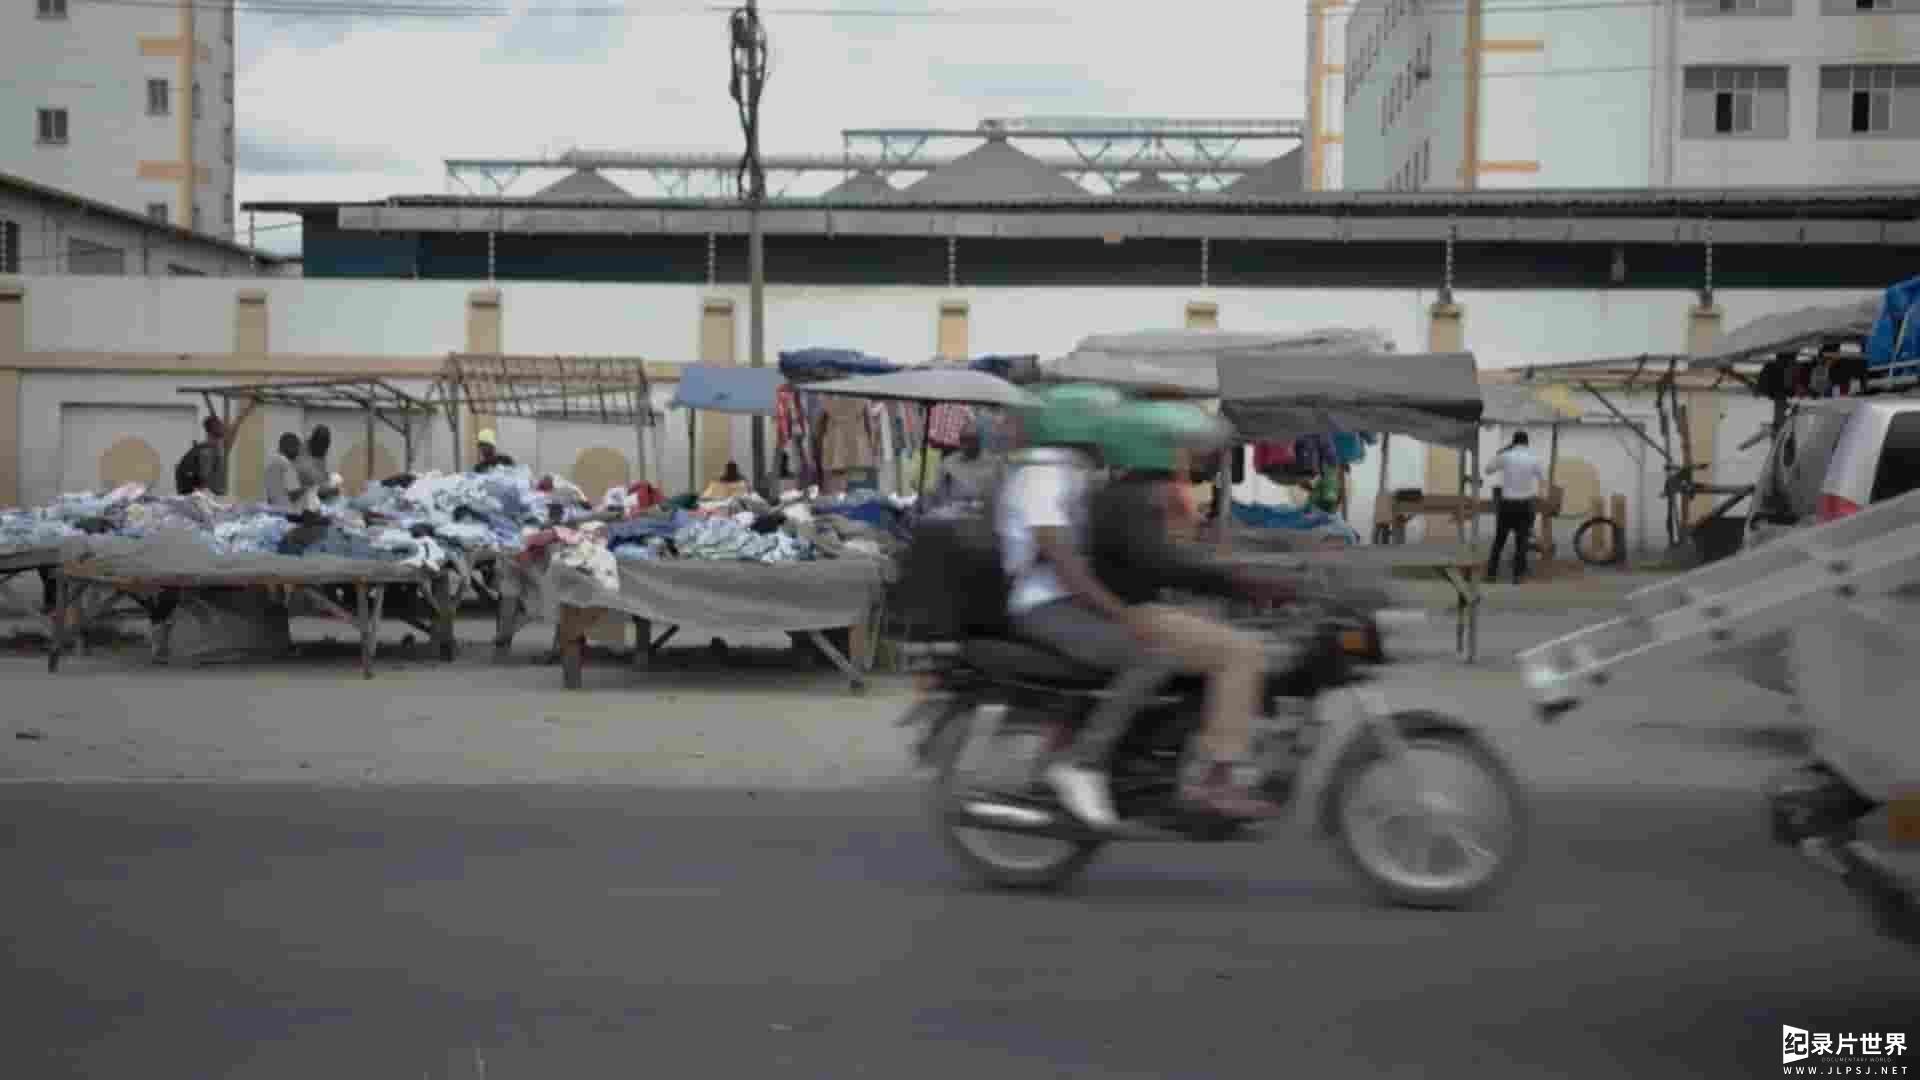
1597 542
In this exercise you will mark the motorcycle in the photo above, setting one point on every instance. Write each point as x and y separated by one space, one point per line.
1417 805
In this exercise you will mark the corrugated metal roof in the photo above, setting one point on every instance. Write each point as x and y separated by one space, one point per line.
42 192
991 172
1281 177
1900 203
862 187
583 184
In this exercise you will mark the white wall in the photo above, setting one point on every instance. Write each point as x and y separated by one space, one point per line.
1803 42
89 63
46 229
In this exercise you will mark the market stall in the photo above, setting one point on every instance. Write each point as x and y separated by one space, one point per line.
1185 364
1281 391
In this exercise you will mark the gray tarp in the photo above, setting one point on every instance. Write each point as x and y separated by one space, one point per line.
1272 394
1188 360
931 386
1790 331
824 594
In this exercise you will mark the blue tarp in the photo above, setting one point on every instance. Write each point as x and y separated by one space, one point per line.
711 388
830 363
1010 368
1895 337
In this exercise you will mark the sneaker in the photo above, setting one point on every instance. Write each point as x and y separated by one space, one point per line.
1220 793
1084 793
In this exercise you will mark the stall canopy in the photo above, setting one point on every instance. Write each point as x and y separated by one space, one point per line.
1276 393
1186 362
812 364
1791 331
931 386
748 391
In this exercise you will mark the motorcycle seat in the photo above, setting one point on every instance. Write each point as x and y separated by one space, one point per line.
1028 662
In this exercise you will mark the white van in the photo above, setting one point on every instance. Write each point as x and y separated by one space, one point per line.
1834 456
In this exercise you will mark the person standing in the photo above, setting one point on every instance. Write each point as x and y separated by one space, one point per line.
311 469
204 468
490 457
283 488
1522 480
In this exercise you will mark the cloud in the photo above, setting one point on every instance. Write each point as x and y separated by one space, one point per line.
373 105
264 155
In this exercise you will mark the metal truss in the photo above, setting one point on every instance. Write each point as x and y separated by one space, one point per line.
1192 155
714 176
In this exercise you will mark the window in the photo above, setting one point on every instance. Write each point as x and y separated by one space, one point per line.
1870 101
1710 8
1899 470
229 142
226 86
87 257
1730 102
159 97
196 99
226 21
51 9
158 211
1868 7
9 247
53 126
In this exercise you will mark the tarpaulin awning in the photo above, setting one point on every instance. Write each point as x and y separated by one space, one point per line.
933 386
726 389
1275 394
1186 361
819 363
1519 406
1791 331
1895 336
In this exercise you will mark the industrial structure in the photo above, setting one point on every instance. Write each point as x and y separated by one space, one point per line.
1700 94
1797 238
131 105
1099 155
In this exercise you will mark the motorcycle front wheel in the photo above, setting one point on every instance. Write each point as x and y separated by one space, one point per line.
1443 826
979 755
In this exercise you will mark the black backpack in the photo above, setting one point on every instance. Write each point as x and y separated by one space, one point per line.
952 584
186 474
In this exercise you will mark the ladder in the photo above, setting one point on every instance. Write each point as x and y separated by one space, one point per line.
1855 563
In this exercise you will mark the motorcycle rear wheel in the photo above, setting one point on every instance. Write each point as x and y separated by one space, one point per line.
992 856
1463 765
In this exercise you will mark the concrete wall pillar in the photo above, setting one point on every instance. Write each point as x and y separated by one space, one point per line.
247 445
485 336
1203 315
951 332
1446 332
1703 328
719 345
13 356
1703 410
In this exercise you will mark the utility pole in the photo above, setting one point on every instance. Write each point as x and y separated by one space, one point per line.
749 41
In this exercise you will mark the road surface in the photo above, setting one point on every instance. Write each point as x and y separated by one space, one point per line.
285 932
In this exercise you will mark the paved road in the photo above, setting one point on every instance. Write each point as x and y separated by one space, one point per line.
286 933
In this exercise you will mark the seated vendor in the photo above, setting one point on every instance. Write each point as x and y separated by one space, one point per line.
490 458
731 485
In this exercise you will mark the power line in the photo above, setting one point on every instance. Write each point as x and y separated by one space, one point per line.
467 9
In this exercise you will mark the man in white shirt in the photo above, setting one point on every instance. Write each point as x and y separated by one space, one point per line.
1522 480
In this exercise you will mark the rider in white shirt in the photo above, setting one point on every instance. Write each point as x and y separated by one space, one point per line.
1522 480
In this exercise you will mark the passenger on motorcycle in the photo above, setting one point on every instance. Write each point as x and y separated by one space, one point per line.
1041 521
1137 553
1059 601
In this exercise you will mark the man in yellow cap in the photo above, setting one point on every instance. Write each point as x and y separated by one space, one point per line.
490 459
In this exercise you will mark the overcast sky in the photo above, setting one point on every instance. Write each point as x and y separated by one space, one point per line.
339 107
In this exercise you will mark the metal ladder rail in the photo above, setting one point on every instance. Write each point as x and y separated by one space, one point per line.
1853 561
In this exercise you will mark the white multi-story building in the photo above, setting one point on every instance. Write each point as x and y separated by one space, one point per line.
1589 94
125 104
